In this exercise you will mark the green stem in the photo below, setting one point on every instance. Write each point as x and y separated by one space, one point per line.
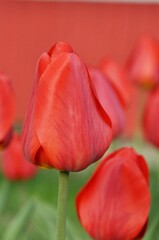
61 206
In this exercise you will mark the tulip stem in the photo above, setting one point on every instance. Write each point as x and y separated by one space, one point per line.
62 205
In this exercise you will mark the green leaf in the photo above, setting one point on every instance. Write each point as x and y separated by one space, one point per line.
152 230
5 190
15 230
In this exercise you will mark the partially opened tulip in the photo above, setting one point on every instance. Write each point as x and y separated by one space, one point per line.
117 78
7 109
14 165
151 118
143 64
115 202
66 127
108 99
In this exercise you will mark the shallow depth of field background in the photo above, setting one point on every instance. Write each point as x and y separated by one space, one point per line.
94 30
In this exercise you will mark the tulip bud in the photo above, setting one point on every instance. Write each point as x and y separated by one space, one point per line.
143 64
7 109
151 118
117 78
115 202
66 127
108 99
14 165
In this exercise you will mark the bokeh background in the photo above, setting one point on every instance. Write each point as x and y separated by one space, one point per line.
29 28
94 30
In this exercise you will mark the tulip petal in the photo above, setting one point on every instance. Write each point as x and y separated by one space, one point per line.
30 140
108 100
143 64
43 63
14 164
31 145
150 118
6 140
115 203
7 106
117 78
29 137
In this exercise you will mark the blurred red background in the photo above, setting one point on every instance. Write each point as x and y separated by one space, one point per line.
93 29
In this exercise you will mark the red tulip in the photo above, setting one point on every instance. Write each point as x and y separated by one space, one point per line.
133 113
115 202
108 100
117 78
14 164
151 118
7 109
143 64
66 127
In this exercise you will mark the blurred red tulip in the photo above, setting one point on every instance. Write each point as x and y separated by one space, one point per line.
117 78
132 115
7 109
143 64
14 165
115 202
108 99
66 127
151 118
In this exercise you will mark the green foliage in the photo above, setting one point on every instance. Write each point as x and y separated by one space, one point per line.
17 227
28 209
